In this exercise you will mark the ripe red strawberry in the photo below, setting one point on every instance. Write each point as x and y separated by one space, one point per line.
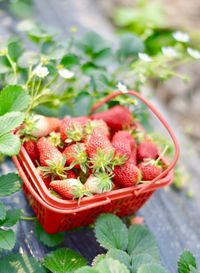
123 143
117 118
46 179
126 175
149 171
76 156
100 151
51 158
69 188
133 157
71 174
99 125
147 149
40 126
98 141
32 149
99 183
72 129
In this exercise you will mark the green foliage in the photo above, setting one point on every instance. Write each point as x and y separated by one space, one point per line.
9 184
12 217
119 255
111 232
186 262
142 241
63 260
13 98
151 268
2 212
110 265
49 240
7 239
17 263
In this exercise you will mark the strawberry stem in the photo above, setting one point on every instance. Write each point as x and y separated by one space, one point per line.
162 154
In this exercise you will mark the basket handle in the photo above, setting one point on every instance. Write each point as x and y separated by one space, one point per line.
160 117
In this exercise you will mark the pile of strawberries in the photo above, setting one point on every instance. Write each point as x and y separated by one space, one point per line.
83 156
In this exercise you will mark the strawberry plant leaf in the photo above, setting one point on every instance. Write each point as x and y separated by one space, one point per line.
63 260
185 261
2 212
86 269
130 46
10 121
119 255
49 240
7 239
17 263
110 265
12 217
13 98
142 241
151 268
98 258
9 144
111 232
139 260
9 184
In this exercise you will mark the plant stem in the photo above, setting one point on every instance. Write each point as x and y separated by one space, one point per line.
14 67
28 218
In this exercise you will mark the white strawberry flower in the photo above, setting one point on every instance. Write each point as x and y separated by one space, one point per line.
65 73
193 53
122 87
144 57
169 51
41 71
181 36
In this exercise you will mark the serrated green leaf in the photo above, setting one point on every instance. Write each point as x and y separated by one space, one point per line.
12 217
2 211
13 98
98 258
10 121
151 268
9 144
69 60
91 43
49 240
142 241
63 260
7 239
119 255
185 261
9 184
111 232
110 265
15 49
139 260
86 269
17 263
130 46
194 270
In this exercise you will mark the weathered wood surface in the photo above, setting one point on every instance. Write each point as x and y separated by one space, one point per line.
173 218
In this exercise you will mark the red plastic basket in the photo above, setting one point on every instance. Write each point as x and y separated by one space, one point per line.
57 215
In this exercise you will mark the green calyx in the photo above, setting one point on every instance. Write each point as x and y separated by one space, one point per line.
80 157
103 181
29 126
118 160
55 168
74 133
102 161
79 191
55 139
